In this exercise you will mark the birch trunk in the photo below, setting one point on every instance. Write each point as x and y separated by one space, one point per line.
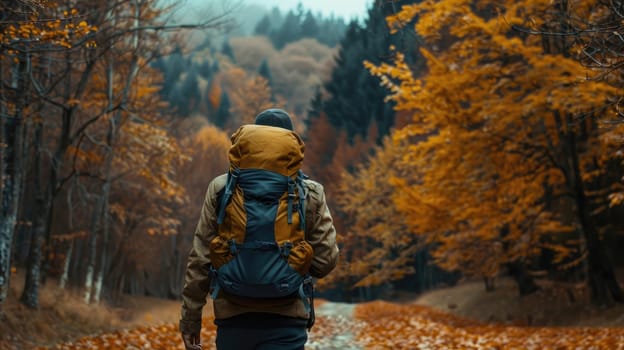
10 199
67 263
92 248
12 173
113 132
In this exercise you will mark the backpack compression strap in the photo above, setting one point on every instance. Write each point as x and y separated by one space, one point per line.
227 194
301 208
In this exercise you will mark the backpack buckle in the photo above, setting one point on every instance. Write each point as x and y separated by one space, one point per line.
283 287
212 272
291 198
286 248
233 249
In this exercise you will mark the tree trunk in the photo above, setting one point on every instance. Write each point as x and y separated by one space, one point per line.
25 215
175 283
30 294
12 172
106 234
92 248
526 284
113 131
97 293
67 263
489 284
602 281
76 271
41 223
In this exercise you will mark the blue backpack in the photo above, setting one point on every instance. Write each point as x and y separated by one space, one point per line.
260 252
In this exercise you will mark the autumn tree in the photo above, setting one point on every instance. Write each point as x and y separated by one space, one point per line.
590 31
247 95
207 146
138 154
380 248
70 82
499 129
295 70
299 69
29 41
329 158
251 51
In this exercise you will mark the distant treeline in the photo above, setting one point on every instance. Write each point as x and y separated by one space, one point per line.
295 25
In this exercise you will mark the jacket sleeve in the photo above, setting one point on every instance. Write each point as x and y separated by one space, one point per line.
197 278
320 232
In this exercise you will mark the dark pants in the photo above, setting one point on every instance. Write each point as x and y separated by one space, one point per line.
282 338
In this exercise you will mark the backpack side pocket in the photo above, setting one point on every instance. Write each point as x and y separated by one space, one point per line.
300 257
220 253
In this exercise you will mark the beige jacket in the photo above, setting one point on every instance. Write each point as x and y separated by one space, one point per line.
320 233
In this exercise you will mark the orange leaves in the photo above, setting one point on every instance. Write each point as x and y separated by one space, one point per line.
167 337
215 92
399 20
211 138
383 325
391 326
380 248
248 95
37 29
486 132
156 337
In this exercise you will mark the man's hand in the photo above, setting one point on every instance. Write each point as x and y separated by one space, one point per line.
191 341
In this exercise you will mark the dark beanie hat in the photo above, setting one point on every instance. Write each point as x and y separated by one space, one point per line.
275 117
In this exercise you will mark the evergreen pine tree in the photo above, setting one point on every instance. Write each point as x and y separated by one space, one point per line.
226 49
159 63
205 44
190 91
223 113
264 26
215 66
174 67
309 27
265 71
205 70
331 31
316 107
289 31
356 97
185 96
276 17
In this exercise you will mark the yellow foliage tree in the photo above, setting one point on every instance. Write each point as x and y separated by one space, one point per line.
499 128
381 249
249 94
330 159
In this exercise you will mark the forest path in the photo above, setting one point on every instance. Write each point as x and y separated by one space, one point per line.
381 325
335 328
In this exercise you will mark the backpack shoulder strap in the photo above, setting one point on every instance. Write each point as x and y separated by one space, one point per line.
232 178
303 192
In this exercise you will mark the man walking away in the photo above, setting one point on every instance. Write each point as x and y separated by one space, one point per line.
264 231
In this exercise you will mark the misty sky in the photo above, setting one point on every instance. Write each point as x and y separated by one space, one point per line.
343 8
248 12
